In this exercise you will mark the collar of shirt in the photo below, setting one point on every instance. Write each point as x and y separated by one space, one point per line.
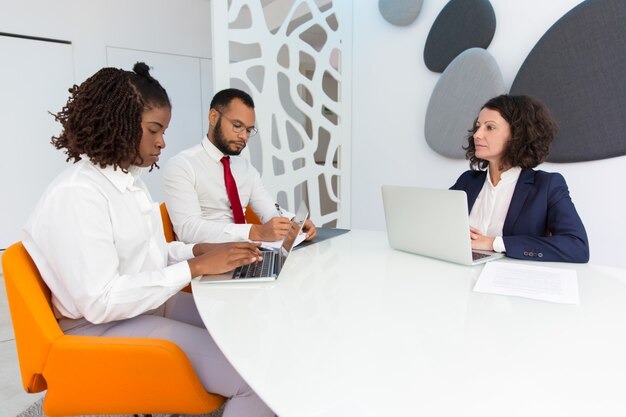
125 181
212 150
121 180
507 177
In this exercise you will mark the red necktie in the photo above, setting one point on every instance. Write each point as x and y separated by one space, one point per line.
231 190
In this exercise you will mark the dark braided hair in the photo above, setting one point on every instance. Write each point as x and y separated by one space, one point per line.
532 131
102 116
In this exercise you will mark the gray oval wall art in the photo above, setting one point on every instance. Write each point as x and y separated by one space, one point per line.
461 25
578 69
400 12
470 80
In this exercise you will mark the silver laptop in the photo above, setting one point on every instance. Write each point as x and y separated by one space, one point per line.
431 222
273 260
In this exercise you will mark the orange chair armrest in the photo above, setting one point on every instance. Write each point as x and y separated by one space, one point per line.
109 375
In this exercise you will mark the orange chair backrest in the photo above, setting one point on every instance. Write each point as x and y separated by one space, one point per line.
168 227
34 323
251 216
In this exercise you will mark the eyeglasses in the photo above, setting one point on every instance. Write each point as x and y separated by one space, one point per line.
239 127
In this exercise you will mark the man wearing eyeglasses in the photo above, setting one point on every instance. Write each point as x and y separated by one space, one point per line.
208 186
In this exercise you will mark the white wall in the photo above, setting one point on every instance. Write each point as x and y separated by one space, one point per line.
172 37
28 158
391 89
176 27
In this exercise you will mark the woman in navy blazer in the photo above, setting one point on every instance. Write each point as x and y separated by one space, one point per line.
526 213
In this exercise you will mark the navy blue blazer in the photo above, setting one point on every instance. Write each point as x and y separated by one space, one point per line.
542 223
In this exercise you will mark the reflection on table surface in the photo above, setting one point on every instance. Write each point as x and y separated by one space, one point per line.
354 328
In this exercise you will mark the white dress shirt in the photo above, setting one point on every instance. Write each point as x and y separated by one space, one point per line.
196 197
492 204
97 238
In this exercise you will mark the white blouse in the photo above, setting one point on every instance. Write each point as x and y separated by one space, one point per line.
492 204
97 238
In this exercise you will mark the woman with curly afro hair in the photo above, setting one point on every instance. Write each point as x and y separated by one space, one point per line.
514 209
97 238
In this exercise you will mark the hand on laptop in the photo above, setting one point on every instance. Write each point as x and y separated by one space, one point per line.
215 258
480 241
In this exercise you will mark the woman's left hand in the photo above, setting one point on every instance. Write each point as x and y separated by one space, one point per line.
480 241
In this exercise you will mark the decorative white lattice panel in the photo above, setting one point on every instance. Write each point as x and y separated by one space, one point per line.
290 55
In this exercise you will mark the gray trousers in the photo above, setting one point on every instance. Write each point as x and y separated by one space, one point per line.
178 321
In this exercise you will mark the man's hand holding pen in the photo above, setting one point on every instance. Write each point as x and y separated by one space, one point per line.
277 228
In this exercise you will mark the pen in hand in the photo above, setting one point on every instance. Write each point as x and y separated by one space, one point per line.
279 210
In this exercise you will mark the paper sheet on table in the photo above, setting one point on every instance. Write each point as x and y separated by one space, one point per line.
277 244
538 282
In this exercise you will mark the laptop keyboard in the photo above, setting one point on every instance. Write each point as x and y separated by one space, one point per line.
257 269
477 255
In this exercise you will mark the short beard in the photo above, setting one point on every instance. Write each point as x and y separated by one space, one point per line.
220 142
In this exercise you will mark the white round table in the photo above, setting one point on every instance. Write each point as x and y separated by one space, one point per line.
355 328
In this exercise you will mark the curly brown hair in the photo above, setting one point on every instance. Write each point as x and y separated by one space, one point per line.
102 116
532 131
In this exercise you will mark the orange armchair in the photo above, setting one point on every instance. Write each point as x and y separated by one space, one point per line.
94 375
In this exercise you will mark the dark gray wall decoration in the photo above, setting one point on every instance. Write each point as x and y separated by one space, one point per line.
400 12
461 24
578 69
468 82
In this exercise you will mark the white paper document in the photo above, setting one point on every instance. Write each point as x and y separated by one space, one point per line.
538 282
277 244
